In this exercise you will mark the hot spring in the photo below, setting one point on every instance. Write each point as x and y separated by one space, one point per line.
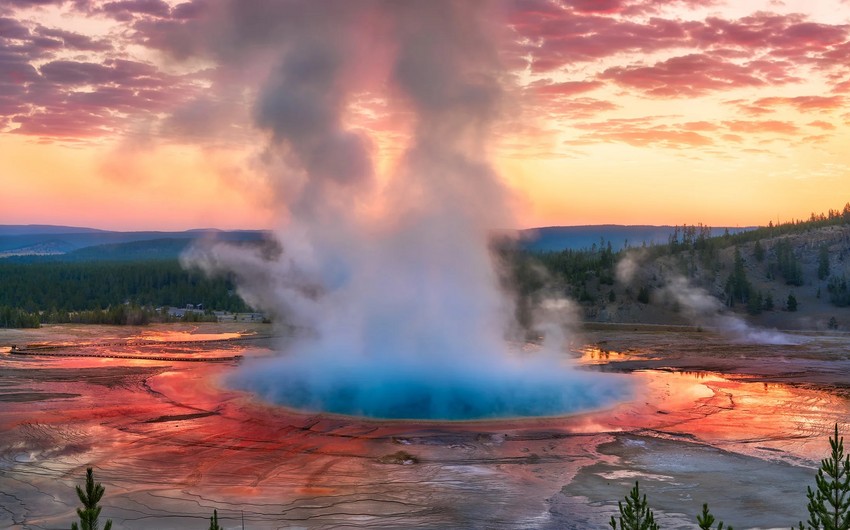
518 386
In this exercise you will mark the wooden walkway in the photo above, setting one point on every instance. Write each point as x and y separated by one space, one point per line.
169 358
66 350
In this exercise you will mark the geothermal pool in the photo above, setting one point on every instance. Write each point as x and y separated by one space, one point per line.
739 426
520 384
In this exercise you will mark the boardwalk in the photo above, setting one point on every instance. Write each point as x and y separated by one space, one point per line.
79 350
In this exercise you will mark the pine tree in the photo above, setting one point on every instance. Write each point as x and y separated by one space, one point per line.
823 262
758 251
635 514
737 285
829 504
705 520
90 511
214 521
768 302
791 303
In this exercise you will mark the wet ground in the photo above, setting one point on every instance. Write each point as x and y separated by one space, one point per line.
739 426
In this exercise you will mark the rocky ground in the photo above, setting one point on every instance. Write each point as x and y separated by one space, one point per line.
740 426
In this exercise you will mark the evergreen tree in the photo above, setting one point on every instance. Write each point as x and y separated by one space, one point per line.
758 251
823 262
792 302
829 504
90 511
755 304
705 520
635 514
737 285
789 265
768 302
839 291
214 521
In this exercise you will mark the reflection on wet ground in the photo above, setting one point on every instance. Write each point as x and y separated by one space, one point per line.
738 426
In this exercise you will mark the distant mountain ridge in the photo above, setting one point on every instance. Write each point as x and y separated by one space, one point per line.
67 243
556 238
17 230
63 243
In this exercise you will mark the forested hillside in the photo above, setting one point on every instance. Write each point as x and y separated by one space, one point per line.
799 267
789 275
48 292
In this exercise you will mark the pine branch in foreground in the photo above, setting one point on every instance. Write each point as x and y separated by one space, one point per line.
829 502
90 511
635 514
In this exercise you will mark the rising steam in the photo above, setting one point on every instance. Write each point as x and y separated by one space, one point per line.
701 308
392 276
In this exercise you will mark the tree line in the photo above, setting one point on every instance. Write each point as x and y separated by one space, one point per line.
111 292
107 293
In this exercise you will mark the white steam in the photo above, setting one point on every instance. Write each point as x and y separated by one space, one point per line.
700 307
705 310
395 280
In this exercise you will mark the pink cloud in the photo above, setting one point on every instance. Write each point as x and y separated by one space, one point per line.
83 99
61 123
12 29
804 103
711 55
558 35
699 126
826 126
843 86
125 10
595 6
685 76
777 32
75 41
567 88
761 126
643 132
749 108
581 108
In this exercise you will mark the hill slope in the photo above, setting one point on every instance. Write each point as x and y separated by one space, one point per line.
693 286
555 238
51 243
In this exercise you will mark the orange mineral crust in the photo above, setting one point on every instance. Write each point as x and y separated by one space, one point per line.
171 440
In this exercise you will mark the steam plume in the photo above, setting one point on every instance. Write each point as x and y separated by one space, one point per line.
706 310
405 303
703 309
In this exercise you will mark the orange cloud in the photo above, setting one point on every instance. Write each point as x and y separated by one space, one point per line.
762 127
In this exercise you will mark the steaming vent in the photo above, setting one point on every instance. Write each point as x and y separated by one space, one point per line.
390 272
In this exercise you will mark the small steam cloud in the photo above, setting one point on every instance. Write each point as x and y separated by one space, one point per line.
700 307
396 280
703 309
628 267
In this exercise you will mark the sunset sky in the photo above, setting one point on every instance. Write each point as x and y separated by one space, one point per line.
143 114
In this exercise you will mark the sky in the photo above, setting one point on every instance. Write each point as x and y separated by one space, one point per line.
148 114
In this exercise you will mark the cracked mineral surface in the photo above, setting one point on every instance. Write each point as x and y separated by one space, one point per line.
739 426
